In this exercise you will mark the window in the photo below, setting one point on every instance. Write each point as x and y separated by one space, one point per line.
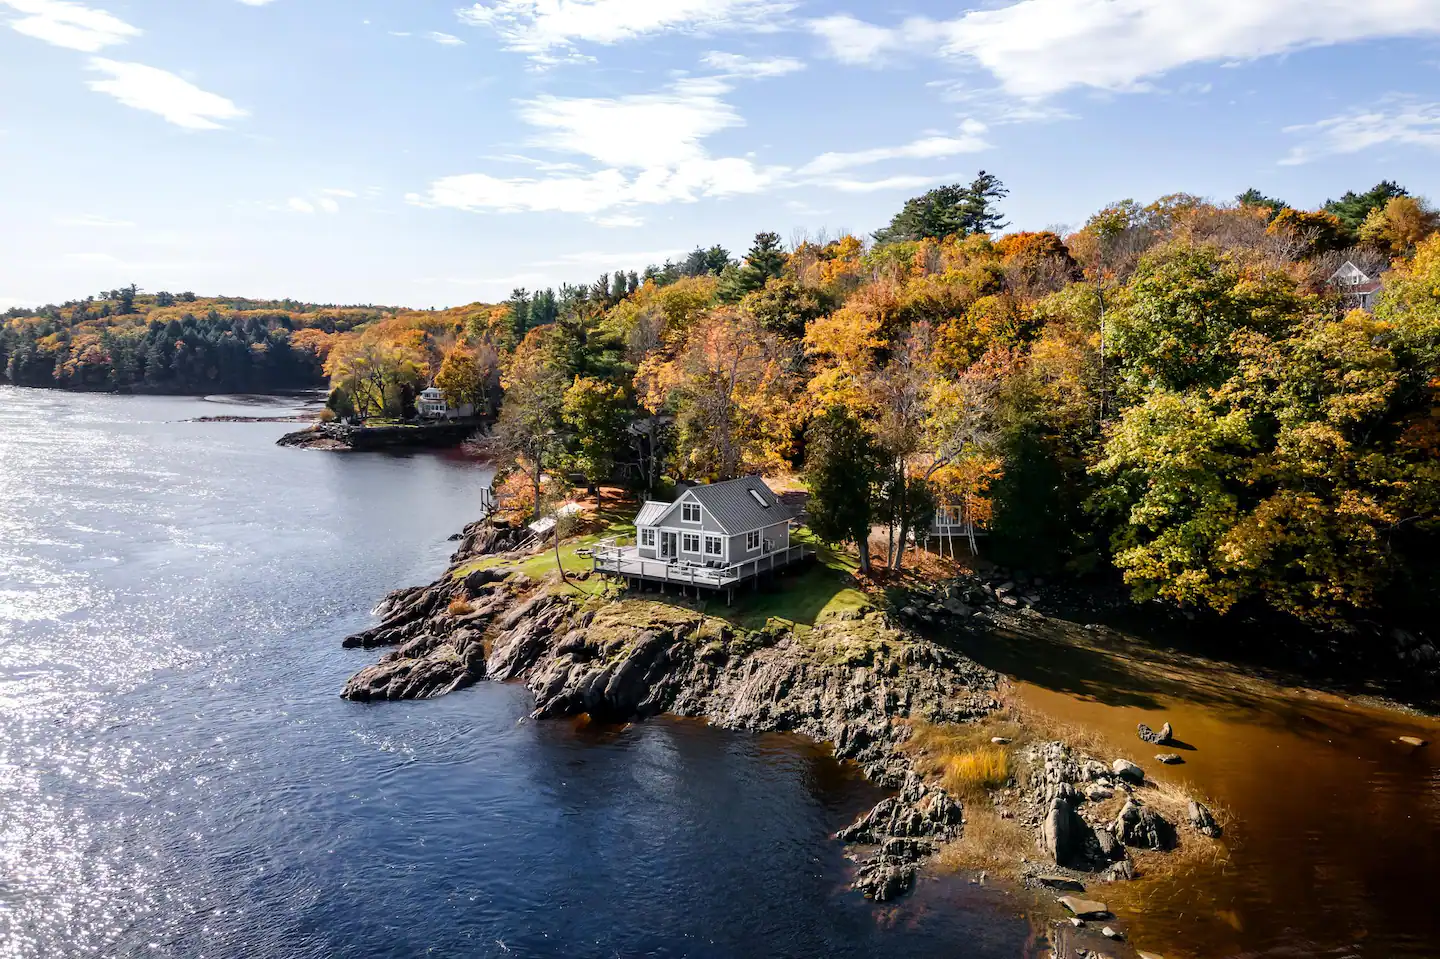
713 546
647 537
755 494
752 540
690 512
690 542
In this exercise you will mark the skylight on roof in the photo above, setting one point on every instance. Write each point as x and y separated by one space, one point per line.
758 498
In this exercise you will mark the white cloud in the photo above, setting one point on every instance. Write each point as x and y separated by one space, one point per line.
543 28
93 221
649 148
444 39
618 221
854 41
888 183
96 258
157 91
735 65
256 3
1402 122
1041 47
642 130
970 140
319 201
71 25
596 192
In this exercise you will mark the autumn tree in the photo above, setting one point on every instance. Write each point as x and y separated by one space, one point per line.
378 367
1311 234
459 377
1178 319
845 469
527 437
1400 225
729 389
595 413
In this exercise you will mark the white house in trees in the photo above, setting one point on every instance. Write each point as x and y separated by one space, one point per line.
713 536
1358 286
431 405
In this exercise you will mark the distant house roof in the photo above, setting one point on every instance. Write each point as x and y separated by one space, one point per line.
651 512
741 505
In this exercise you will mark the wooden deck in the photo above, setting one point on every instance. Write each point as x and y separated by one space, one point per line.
626 561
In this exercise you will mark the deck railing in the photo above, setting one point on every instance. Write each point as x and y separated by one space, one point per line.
627 561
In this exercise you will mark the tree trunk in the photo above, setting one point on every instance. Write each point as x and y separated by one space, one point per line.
862 545
564 577
897 558
900 546
535 485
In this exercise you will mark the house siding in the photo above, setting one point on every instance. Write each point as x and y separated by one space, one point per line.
671 518
777 533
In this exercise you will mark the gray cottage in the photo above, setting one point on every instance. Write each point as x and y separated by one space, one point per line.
713 536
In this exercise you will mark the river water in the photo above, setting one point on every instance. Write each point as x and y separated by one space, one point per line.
1334 847
178 776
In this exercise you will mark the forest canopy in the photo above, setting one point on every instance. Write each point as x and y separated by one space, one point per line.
1175 393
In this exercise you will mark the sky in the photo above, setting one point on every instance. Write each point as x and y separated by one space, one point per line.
432 152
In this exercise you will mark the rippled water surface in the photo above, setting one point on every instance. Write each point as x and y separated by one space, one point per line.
178 776
1334 847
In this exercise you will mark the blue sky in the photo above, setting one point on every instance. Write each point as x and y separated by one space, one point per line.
428 153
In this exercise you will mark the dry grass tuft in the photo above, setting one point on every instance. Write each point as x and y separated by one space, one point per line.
962 757
989 842
460 606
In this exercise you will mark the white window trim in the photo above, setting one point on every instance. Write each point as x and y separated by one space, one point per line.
647 537
759 540
685 539
718 541
699 513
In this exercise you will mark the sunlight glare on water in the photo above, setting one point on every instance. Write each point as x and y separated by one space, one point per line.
178 776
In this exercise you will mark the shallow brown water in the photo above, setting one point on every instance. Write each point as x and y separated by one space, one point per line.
1334 843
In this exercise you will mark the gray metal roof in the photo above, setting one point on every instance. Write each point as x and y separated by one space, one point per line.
736 510
651 512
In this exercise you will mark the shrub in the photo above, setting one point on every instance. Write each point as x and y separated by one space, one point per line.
461 606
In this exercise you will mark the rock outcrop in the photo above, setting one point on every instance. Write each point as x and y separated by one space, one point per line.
1203 820
849 681
1139 825
845 681
1155 738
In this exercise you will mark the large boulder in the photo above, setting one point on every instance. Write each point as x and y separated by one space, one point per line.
1155 738
1128 771
1062 834
1085 908
1202 819
1139 825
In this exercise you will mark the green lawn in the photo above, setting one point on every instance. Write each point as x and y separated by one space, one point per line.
542 564
798 599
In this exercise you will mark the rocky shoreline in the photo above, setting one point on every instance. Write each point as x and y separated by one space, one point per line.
341 437
857 680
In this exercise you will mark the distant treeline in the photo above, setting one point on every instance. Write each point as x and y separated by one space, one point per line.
174 343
